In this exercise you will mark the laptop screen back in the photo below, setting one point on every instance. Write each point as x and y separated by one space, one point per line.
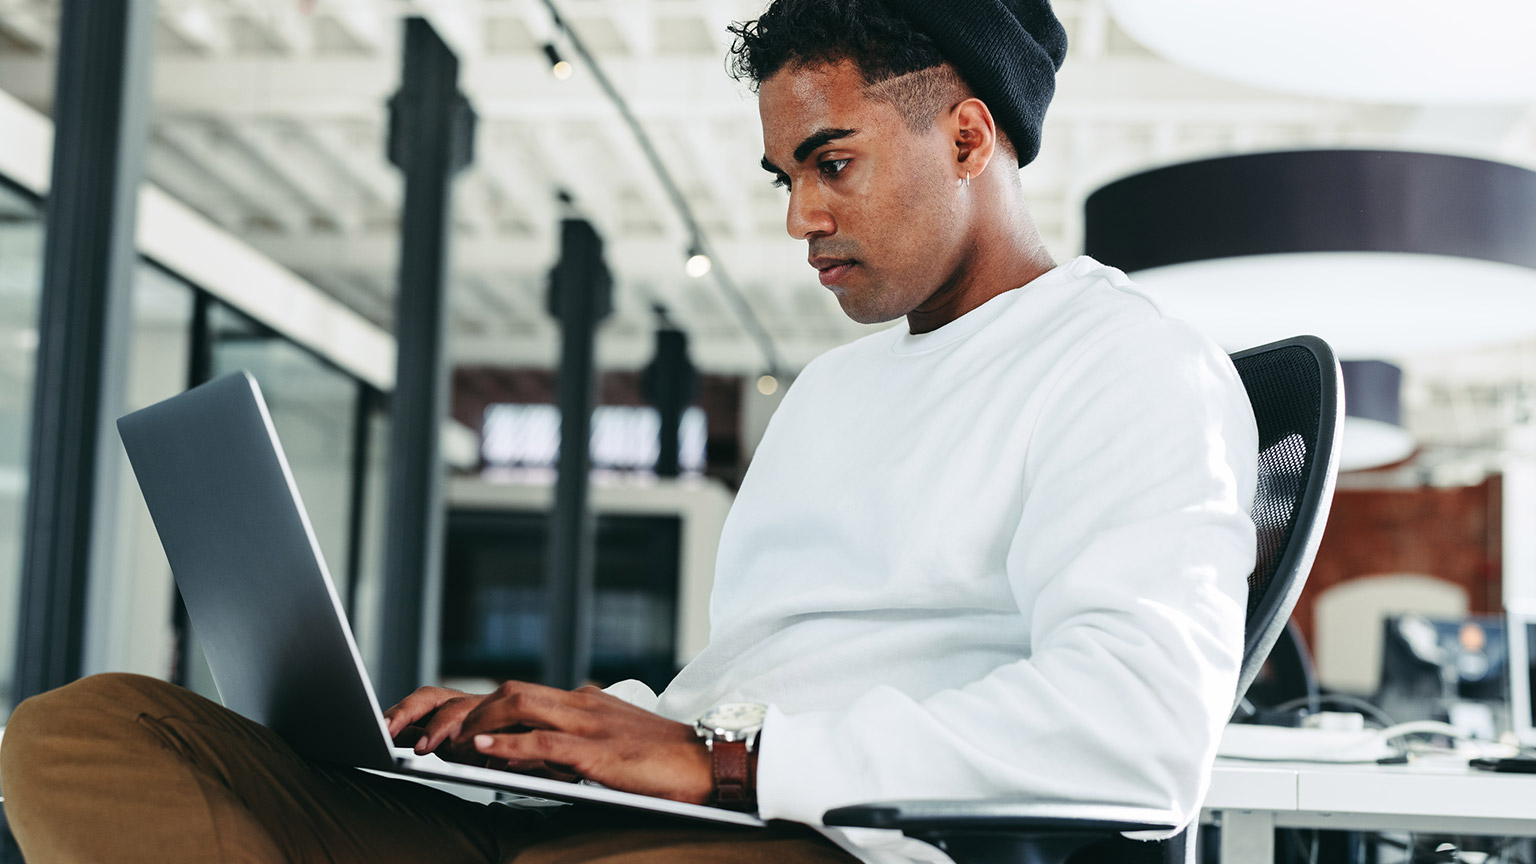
247 564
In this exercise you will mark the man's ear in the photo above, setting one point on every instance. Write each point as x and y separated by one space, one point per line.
974 136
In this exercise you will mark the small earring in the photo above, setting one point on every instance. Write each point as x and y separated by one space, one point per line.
967 179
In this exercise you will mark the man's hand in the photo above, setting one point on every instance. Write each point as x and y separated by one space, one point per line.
542 730
595 735
428 719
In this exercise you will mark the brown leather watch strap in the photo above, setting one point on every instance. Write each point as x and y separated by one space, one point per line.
732 766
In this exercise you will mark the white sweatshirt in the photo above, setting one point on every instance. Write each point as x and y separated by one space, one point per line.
1004 558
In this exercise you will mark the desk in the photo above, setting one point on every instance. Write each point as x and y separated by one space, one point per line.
1434 795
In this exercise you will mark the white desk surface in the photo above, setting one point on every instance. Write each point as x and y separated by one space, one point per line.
1439 793
1431 795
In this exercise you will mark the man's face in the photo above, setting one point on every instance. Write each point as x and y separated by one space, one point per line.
874 200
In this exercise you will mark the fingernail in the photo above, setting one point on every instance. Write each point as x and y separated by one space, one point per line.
483 741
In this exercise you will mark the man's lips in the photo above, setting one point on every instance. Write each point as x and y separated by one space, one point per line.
831 270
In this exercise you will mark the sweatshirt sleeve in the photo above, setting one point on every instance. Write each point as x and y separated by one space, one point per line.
636 693
1129 563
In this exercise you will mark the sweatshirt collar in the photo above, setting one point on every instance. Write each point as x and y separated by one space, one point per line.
920 343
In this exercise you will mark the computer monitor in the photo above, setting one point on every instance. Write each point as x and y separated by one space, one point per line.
1450 669
1522 676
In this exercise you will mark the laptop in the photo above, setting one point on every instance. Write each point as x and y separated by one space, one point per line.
258 592
1522 675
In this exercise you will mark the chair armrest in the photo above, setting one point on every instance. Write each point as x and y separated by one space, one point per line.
991 815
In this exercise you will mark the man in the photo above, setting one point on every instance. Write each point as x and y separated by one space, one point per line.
1000 548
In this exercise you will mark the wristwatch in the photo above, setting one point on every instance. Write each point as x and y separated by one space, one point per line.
730 732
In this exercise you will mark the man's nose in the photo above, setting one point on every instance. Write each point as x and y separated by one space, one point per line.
808 215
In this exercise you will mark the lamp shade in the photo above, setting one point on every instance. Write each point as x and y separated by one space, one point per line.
1403 51
1373 426
1382 253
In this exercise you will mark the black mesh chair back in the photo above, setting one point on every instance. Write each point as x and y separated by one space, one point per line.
1295 388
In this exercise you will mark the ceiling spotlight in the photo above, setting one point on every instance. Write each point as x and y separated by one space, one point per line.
559 67
767 385
698 262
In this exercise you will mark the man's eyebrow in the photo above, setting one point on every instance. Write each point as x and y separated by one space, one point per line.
809 145
818 138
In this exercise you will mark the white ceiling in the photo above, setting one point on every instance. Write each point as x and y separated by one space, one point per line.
269 117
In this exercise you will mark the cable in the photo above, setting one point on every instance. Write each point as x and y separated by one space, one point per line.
737 301
1424 727
1346 700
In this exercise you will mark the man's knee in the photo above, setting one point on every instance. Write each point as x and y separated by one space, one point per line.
84 708
94 695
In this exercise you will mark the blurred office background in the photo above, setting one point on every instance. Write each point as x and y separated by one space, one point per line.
269 240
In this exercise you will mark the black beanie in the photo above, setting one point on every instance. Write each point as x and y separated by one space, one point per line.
1008 51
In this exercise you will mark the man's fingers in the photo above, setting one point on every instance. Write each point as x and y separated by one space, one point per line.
408 736
445 722
539 745
421 702
519 704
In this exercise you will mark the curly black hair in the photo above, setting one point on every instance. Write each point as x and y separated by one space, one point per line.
877 39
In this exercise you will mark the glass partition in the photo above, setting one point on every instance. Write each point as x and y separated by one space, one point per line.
129 607
21 257
364 600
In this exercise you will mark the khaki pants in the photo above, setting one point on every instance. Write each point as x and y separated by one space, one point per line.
123 768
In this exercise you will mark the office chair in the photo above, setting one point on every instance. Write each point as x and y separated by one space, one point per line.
1295 388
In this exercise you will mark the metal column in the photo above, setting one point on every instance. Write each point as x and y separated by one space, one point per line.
100 113
431 134
671 384
580 295
199 372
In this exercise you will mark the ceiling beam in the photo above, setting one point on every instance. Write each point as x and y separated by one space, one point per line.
507 298
357 293
189 181
1091 38
633 260
663 88
282 25
380 184
476 202
286 154
24 19
635 22
364 22
554 147
632 165
211 150
726 181
780 285
195 24
506 164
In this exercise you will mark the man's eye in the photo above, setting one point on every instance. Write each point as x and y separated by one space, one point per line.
833 167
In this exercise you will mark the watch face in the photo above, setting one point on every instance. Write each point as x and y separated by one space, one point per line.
735 716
